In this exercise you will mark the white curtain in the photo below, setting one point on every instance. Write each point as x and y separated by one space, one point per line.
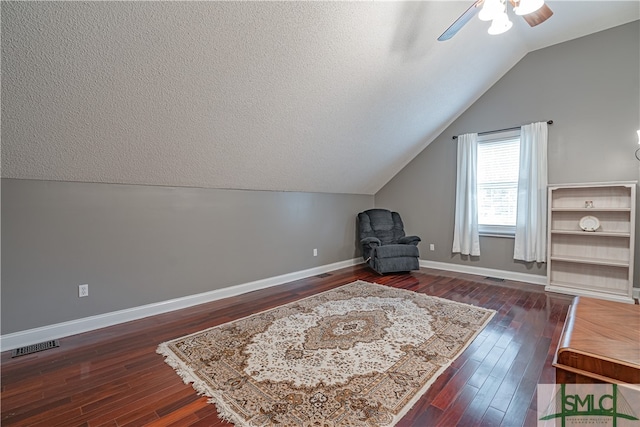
531 219
466 239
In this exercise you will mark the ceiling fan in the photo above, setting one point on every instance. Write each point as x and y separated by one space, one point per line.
533 11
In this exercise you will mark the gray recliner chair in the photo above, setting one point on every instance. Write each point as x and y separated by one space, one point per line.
385 248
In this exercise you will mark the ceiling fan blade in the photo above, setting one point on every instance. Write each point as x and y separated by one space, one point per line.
539 16
461 21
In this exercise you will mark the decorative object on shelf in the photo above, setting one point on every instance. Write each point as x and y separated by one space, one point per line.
588 203
589 223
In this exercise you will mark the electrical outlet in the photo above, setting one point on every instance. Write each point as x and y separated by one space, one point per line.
315 252
83 290
432 247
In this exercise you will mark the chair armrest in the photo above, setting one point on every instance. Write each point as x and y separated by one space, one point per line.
371 241
409 240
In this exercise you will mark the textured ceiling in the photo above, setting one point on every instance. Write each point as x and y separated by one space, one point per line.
298 96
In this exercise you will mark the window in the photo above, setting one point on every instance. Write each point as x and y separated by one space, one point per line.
498 165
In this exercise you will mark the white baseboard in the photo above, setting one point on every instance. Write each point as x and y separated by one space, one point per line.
488 272
64 329
636 293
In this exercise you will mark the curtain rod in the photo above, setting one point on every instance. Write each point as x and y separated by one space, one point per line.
549 122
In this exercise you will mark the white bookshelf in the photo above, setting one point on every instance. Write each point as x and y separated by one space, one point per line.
592 263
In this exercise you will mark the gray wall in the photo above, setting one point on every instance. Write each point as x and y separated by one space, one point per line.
590 87
137 245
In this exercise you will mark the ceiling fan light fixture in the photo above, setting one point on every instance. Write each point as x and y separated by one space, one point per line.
526 7
490 9
501 24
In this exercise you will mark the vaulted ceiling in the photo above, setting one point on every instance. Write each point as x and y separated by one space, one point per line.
296 96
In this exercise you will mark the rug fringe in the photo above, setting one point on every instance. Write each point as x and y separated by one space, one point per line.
224 411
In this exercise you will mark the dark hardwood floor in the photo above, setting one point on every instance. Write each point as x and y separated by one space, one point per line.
113 376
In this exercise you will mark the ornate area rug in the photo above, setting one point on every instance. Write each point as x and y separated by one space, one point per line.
358 355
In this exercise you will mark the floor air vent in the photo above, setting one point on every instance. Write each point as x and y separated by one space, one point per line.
494 279
34 348
323 275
